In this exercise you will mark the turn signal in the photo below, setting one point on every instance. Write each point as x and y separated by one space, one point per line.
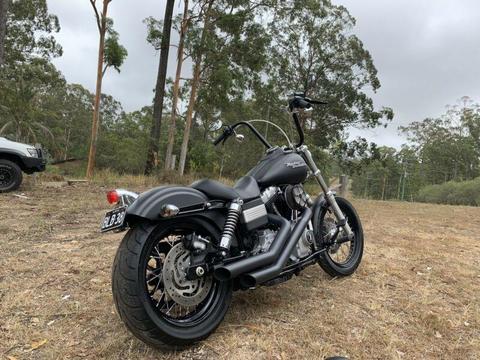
113 197
169 210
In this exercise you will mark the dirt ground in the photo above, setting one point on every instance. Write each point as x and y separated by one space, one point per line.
416 294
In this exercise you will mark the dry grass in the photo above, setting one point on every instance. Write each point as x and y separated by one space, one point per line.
415 296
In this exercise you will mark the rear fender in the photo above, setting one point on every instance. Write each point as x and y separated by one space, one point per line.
190 202
149 203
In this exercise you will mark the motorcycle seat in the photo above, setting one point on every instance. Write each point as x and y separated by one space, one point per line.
245 189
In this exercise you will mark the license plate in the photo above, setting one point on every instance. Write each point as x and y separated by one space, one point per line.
114 219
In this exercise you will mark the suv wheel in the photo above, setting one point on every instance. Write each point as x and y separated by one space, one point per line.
10 176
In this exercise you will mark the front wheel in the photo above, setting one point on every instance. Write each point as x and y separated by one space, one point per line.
339 259
153 297
10 176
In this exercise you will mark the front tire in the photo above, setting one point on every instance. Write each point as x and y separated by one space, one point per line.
135 304
328 261
10 176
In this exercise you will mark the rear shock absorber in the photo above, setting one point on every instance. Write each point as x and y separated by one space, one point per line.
234 211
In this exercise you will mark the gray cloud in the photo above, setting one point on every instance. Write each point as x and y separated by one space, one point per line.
427 53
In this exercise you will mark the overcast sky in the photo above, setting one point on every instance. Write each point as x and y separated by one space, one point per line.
427 53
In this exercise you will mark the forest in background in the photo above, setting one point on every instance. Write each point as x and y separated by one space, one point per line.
242 58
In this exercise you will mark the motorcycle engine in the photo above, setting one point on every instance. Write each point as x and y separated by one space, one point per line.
296 197
286 202
264 241
304 246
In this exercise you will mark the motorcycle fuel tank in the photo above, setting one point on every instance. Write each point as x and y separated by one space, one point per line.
280 167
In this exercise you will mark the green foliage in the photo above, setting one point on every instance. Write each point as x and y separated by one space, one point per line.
28 81
30 29
123 143
453 193
250 64
154 32
313 50
448 147
27 91
442 150
115 54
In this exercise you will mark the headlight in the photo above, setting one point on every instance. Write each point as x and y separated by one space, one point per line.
33 152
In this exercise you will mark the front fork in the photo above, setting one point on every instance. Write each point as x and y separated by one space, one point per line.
329 195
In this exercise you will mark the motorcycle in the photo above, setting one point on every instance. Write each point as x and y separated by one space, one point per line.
188 249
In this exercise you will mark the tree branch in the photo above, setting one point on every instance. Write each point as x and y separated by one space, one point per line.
97 15
104 70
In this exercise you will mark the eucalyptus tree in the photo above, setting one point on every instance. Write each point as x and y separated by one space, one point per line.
197 69
30 32
27 79
3 27
315 51
25 91
182 30
152 153
228 46
449 146
110 54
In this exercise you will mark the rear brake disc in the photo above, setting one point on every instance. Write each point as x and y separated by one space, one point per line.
183 291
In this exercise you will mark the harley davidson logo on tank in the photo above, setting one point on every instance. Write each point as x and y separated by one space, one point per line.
295 164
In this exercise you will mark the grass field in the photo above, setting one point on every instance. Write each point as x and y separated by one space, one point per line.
416 294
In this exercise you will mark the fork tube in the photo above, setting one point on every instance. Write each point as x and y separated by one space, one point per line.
329 195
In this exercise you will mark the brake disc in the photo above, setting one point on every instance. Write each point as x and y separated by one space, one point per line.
329 226
183 291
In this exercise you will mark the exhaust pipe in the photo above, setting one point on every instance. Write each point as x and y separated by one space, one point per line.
231 271
271 271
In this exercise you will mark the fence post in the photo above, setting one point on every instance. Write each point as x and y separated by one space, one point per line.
343 185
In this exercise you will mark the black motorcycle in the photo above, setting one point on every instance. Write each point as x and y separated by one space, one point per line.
188 248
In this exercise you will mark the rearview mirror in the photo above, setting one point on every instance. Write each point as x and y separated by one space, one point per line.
215 126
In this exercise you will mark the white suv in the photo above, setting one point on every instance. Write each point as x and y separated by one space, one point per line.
15 158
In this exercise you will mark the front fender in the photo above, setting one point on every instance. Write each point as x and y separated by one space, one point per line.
318 205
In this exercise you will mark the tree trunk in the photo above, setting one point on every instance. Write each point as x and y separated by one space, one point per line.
3 28
193 93
176 89
384 185
152 152
96 108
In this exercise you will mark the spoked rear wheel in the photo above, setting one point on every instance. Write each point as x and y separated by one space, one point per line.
340 259
152 294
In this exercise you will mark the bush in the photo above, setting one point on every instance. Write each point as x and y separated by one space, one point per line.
453 193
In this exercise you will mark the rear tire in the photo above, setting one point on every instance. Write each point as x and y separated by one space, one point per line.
10 176
135 306
326 262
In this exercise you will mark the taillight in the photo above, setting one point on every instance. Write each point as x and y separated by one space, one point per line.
113 197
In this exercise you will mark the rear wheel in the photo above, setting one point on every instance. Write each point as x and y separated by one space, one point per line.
158 304
340 259
10 176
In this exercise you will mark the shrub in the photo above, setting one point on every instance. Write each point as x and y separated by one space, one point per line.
453 193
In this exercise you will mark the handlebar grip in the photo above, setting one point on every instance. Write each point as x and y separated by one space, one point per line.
223 136
318 102
219 139
303 104
299 103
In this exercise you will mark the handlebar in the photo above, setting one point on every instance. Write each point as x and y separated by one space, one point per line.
298 101
230 130
223 136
